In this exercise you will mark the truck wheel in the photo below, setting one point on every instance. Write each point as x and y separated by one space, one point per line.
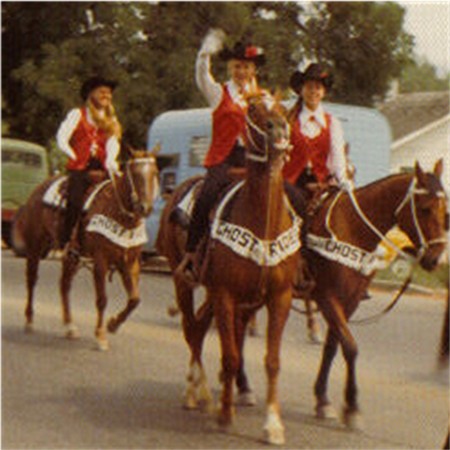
17 241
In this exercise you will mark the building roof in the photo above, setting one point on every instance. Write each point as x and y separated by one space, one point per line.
409 113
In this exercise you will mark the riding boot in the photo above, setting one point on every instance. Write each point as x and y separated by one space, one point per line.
72 248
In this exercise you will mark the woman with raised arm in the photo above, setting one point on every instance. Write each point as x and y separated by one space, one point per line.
229 105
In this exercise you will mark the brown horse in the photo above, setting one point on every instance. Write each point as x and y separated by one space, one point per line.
343 236
250 261
111 232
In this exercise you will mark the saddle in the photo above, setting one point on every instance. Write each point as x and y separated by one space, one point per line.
56 193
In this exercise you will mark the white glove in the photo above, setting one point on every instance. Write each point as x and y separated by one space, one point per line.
347 185
113 168
213 42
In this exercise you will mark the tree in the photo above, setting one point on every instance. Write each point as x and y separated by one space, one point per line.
363 42
49 48
420 76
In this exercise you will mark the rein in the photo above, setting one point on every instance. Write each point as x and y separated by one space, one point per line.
409 198
122 208
249 126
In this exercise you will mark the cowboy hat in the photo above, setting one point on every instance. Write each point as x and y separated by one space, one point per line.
93 83
313 72
244 53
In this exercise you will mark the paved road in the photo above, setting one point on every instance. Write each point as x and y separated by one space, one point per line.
64 394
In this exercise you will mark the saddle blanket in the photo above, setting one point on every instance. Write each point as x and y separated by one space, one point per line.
53 195
346 254
242 241
117 233
186 204
267 253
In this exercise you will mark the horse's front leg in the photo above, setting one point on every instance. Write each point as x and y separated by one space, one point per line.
324 408
246 397
339 332
314 332
69 269
224 313
100 270
130 273
279 308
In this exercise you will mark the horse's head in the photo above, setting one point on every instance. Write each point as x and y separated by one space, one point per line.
267 131
141 175
423 215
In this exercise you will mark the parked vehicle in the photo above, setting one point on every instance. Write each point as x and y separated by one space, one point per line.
24 166
185 137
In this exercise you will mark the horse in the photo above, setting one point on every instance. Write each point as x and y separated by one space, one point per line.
257 271
341 255
111 233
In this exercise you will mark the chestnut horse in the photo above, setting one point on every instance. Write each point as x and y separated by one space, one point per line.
256 270
341 243
111 232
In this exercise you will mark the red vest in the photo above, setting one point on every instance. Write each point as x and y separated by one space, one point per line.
84 135
228 123
305 149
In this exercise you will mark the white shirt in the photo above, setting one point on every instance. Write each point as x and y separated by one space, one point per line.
337 161
66 130
211 89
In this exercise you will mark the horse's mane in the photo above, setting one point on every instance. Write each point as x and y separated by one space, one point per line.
385 179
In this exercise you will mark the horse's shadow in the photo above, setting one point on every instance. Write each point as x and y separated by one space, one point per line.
42 338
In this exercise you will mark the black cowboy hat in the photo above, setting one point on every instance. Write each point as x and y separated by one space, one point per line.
313 72
93 83
244 53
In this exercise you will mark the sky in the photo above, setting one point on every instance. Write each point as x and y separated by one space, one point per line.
429 23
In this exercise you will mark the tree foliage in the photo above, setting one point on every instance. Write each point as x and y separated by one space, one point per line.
49 48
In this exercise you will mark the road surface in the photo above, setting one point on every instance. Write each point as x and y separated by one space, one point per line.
65 394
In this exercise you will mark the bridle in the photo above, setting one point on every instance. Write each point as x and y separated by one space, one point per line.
408 199
262 155
133 191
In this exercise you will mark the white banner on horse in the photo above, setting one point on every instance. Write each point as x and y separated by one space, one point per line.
263 252
346 254
116 233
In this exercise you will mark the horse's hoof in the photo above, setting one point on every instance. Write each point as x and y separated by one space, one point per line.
274 436
326 412
28 328
225 419
102 345
112 325
353 420
72 332
246 399
190 401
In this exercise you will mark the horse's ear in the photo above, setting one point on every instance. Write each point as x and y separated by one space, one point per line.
156 148
419 173
439 168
